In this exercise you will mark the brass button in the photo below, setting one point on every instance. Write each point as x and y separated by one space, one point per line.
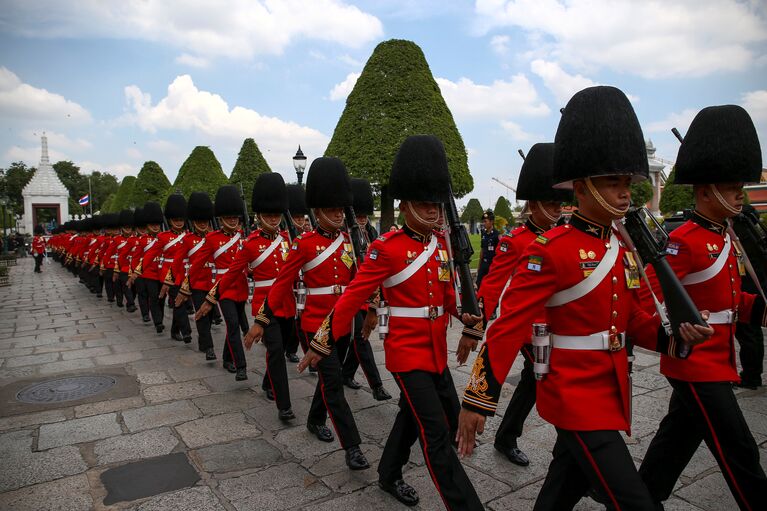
615 280
613 329
607 245
615 314
615 298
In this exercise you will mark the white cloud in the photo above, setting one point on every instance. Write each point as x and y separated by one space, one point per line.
755 103
500 100
351 61
237 29
650 38
186 108
561 84
500 44
31 154
516 132
119 170
192 61
679 120
342 90
19 100
58 140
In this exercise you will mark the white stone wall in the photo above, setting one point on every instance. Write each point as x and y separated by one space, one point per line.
31 200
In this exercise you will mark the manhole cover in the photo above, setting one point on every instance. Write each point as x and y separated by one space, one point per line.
65 389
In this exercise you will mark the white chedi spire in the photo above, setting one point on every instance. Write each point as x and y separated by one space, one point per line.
44 158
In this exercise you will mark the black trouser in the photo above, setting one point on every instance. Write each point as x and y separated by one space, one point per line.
482 271
234 316
275 339
428 411
751 340
143 297
180 317
118 288
109 286
291 345
592 459
204 338
126 290
97 280
156 305
360 353
329 398
522 401
705 412
38 262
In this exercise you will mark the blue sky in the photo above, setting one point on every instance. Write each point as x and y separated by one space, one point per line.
114 84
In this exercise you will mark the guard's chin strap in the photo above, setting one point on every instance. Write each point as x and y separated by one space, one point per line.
228 226
419 218
551 218
270 228
602 202
335 225
731 209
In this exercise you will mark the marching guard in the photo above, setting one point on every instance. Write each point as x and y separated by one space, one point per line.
172 249
591 308
146 268
720 153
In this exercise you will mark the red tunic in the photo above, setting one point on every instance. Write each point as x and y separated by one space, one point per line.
38 245
412 343
220 264
192 271
585 390
109 255
149 267
124 250
693 247
170 251
336 270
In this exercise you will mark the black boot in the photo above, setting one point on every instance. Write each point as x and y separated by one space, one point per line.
401 491
210 354
242 374
355 460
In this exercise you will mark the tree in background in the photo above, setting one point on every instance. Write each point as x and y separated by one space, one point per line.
503 209
12 183
250 163
472 214
675 197
123 198
201 172
103 186
641 192
76 183
151 184
395 96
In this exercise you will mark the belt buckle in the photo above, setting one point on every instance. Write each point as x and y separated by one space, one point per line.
615 342
432 311
337 289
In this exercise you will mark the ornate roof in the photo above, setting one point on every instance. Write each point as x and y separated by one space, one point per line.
45 181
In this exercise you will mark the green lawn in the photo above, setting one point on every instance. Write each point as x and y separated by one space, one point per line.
476 239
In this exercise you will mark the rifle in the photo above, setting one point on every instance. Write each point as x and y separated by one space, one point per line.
245 216
753 235
289 225
521 153
462 252
679 307
355 234
312 218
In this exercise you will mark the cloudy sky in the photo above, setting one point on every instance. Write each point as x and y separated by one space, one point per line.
114 84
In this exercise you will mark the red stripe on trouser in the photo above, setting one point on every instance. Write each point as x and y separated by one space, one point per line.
596 469
719 447
422 433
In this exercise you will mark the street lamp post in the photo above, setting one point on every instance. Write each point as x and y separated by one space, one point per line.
299 163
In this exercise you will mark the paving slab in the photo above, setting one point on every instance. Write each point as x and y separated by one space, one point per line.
22 467
148 478
237 455
146 444
164 414
216 429
199 497
76 431
175 391
282 487
67 494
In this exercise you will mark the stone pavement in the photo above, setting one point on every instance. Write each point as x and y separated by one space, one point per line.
176 432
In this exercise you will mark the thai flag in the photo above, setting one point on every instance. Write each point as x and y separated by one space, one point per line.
84 200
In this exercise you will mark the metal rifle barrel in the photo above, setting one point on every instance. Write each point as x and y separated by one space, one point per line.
521 153
677 135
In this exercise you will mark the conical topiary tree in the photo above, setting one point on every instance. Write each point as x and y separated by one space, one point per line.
503 209
394 97
151 184
675 197
201 172
124 196
250 163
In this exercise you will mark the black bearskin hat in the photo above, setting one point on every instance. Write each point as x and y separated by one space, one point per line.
363 196
721 146
126 218
599 135
200 207
175 206
297 200
269 194
111 221
152 213
536 178
420 170
228 201
328 184
139 220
